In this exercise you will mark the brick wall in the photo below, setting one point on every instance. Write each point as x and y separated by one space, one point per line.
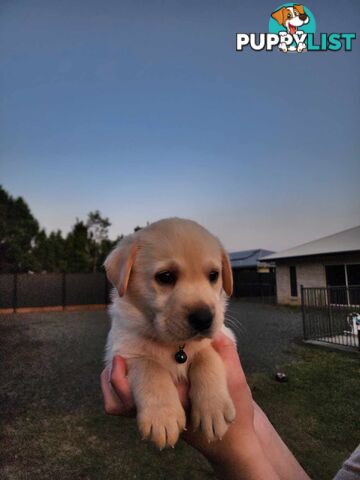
309 272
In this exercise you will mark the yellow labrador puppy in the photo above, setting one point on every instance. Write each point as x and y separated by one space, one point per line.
172 280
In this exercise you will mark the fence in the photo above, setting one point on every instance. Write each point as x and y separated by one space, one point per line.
26 290
330 315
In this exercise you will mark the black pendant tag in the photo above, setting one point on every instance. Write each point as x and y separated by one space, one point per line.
180 356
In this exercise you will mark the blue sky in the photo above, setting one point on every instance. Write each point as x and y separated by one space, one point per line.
144 110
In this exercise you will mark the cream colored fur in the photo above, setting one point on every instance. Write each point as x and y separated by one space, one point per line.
149 323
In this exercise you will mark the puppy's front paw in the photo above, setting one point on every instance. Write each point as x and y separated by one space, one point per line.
162 424
212 413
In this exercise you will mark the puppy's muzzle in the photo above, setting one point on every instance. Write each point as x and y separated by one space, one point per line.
200 319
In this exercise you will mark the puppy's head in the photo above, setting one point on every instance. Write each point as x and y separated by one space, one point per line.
291 17
177 275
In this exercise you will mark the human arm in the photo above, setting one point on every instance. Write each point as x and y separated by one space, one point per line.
250 450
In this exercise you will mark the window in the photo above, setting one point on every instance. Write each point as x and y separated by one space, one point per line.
293 281
335 275
353 274
345 276
353 278
336 278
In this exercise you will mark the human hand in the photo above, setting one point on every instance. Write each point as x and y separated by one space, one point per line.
242 428
250 449
118 399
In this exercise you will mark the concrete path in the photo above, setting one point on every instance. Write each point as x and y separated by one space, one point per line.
265 333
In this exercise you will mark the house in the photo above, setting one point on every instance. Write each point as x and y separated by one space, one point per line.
252 278
332 261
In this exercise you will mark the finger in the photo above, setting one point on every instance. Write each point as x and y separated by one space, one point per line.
226 348
120 383
183 391
112 403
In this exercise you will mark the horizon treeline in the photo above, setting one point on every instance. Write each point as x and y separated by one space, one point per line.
26 247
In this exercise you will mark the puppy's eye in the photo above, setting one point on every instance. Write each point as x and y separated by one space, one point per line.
213 276
166 278
289 15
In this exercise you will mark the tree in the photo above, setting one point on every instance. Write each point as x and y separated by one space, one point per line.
50 252
77 249
98 229
24 247
18 231
87 245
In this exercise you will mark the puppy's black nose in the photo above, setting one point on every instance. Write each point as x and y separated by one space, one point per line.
200 319
303 17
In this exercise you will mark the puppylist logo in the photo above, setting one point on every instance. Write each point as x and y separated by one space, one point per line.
292 28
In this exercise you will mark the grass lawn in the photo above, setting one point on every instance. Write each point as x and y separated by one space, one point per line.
53 426
317 411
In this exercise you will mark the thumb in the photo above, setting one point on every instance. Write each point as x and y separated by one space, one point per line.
226 348
120 383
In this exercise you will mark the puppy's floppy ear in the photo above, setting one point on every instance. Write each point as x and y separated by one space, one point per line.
278 15
227 277
119 263
300 9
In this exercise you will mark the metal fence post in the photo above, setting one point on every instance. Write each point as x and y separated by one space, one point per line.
329 311
303 310
63 290
15 287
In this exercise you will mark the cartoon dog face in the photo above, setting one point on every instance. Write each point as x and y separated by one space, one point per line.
291 17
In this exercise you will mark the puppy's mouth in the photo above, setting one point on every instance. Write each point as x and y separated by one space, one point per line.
189 337
292 29
202 335
183 335
198 335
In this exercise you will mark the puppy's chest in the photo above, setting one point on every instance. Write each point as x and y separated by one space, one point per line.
167 359
179 372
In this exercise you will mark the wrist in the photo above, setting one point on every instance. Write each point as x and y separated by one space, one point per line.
235 445
244 460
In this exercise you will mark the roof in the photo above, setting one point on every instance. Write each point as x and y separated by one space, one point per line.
247 258
345 241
